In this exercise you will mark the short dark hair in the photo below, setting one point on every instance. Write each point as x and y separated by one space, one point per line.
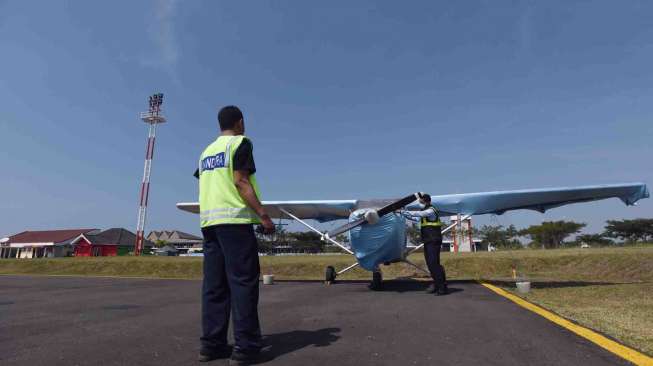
229 116
426 197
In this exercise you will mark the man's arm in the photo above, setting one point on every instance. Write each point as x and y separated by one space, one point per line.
409 216
246 191
418 215
243 167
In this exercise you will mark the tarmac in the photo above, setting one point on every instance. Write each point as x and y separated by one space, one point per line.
114 321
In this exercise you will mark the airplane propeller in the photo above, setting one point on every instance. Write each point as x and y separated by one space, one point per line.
373 216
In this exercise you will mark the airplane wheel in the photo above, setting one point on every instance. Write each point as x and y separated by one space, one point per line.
330 275
377 281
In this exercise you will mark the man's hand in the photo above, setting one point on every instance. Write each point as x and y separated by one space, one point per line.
268 225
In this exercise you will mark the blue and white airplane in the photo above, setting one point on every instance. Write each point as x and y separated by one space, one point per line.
377 232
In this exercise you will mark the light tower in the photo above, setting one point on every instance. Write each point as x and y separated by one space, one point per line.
152 117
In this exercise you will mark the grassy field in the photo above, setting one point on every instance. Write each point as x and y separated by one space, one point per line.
622 311
605 289
612 265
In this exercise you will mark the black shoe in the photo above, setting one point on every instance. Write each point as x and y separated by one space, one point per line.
217 354
374 287
443 291
431 289
239 358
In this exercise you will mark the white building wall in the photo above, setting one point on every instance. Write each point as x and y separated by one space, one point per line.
25 253
30 250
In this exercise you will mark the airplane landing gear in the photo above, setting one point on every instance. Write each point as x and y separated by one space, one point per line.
330 275
377 281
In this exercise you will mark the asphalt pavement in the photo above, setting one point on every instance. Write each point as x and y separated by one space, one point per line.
112 321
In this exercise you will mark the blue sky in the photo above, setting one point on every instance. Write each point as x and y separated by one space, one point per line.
342 100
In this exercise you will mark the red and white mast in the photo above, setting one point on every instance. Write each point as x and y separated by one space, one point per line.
151 117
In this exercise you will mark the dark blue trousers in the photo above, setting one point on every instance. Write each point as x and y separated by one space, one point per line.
231 285
432 237
432 258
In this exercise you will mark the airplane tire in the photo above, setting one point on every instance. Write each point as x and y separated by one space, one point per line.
330 275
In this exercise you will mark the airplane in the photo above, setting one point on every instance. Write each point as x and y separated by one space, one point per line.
377 231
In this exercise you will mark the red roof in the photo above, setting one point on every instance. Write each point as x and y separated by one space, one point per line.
47 236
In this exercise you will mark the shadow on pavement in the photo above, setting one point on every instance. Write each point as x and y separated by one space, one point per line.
413 286
557 284
402 284
282 343
319 281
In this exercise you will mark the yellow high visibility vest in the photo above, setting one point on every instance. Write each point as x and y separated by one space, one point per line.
220 202
424 222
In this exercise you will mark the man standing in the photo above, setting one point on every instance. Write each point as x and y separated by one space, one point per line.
229 207
431 233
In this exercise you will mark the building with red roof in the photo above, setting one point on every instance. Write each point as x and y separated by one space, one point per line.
68 243
41 244
110 242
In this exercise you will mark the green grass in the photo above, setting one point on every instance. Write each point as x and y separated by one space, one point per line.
149 266
607 289
613 265
622 311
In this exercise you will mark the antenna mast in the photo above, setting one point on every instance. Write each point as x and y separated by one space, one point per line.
152 117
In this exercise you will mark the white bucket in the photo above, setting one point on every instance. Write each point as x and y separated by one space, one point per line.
268 279
523 287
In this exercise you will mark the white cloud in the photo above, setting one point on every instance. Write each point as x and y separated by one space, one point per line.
162 33
165 38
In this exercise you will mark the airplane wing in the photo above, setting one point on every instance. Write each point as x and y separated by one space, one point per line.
468 203
320 210
539 200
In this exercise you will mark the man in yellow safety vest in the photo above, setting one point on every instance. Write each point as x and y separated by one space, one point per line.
229 207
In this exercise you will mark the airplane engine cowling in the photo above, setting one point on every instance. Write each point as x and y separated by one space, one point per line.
377 243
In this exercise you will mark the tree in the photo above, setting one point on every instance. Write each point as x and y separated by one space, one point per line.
160 243
499 237
305 236
630 230
551 234
265 246
279 235
593 239
307 241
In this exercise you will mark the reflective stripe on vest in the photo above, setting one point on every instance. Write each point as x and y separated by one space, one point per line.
226 213
425 222
220 202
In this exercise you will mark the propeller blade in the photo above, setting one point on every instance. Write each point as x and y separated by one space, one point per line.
394 206
346 227
398 204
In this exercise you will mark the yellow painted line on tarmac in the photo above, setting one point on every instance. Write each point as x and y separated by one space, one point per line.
618 349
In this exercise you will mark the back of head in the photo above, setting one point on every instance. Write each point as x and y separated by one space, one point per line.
426 198
229 116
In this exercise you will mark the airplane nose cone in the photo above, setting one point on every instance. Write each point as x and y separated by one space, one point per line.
372 217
